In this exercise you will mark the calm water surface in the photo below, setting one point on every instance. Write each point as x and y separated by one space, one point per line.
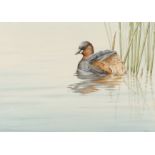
40 92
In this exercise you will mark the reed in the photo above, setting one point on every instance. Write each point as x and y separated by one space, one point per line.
113 42
138 54
135 46
138 46
107 33
120 39
153 51
129 38
148 53
130 43
142 48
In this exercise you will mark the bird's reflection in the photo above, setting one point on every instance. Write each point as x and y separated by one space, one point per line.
90 84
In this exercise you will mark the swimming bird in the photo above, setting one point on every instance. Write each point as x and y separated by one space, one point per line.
101 63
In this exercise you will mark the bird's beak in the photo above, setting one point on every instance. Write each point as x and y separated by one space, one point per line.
78 52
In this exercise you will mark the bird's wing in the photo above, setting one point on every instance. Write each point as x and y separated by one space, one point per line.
97 61
101 55
115 63
101 66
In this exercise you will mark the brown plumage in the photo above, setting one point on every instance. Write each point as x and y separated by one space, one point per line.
111 65
103 62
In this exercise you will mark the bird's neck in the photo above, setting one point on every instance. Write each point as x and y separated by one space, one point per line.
86 56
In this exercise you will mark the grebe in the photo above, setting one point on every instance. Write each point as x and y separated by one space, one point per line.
100 63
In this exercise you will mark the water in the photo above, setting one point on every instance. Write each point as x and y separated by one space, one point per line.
39 91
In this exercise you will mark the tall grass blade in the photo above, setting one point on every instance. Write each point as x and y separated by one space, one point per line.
120 39
130 43
138 46
153 51
113 42
143 46
148 54
107 33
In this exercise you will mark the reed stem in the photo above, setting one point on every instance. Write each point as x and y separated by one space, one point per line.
130 43
113 42
143 46
120 39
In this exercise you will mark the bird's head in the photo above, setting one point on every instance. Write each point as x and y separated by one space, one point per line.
86 49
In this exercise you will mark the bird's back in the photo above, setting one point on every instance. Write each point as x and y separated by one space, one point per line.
103 62
110 59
